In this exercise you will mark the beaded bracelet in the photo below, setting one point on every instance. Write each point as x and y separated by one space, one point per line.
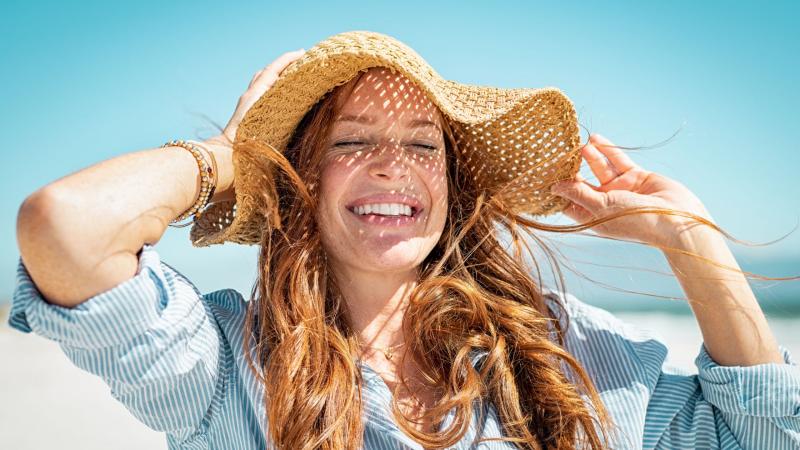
208 179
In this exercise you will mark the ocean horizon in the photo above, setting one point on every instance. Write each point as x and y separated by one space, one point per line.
619 277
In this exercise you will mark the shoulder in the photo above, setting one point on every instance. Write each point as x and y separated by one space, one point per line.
227 301
587 316
227 306
608 347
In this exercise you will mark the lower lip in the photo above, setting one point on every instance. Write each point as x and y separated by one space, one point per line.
397 221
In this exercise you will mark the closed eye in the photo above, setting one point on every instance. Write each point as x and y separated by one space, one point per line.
429 147
353 143
345 144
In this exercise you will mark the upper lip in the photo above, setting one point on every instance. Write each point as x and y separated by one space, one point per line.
404 199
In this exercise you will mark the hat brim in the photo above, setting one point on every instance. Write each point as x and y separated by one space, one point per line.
515 141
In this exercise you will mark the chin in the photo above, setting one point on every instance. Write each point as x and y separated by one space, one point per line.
397 258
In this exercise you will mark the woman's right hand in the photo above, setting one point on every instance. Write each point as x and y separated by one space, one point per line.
222 144
262 80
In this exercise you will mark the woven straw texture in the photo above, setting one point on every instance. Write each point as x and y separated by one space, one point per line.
518 141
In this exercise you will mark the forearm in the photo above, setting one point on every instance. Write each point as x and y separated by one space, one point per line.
79 235
735 331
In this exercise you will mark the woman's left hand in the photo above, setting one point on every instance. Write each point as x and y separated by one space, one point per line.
623 184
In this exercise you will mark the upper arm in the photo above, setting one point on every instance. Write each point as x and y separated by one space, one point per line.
151 338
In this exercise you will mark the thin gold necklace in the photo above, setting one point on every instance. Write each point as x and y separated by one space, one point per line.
388 352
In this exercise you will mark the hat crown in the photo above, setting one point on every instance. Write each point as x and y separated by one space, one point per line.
517 141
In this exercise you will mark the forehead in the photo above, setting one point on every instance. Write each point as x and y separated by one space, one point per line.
381 94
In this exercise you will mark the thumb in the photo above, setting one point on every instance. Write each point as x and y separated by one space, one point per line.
580 193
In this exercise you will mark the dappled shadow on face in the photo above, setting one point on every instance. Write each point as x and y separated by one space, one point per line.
387 136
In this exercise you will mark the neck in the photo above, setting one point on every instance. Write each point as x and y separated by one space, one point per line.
376 302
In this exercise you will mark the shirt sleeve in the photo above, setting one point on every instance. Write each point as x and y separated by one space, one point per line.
749 407
151 338
663 407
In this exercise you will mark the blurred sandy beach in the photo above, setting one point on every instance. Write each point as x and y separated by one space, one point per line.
50 403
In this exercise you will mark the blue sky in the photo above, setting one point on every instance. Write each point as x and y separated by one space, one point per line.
86 81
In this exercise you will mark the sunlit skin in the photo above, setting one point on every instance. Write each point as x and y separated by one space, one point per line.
374 148
386 138
377 265
735 331
371 149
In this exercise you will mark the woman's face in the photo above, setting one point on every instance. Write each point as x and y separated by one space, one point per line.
385 157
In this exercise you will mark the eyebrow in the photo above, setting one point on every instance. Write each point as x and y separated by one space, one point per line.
414 123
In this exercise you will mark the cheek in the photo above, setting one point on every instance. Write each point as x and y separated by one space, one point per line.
435 176
331 179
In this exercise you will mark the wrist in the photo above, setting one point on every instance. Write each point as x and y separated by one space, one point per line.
219 140
685 233
699 240
223 153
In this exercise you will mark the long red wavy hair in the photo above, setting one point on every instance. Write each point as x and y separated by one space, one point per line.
473 295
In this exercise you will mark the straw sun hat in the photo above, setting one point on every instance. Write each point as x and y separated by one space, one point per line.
519 141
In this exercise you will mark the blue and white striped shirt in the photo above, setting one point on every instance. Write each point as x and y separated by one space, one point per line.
174 358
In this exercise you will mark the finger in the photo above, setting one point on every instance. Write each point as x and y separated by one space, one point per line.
284 60
600 165
255 77
276 67
581 193
621 161
577 213
579 177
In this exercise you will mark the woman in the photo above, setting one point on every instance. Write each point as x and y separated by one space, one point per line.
387 311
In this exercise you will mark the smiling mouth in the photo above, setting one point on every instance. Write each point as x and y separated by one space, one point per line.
414 213
391 221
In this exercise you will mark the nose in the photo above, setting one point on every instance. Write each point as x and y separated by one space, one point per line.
389 163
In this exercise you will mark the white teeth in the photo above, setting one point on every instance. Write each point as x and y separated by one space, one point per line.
384 209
